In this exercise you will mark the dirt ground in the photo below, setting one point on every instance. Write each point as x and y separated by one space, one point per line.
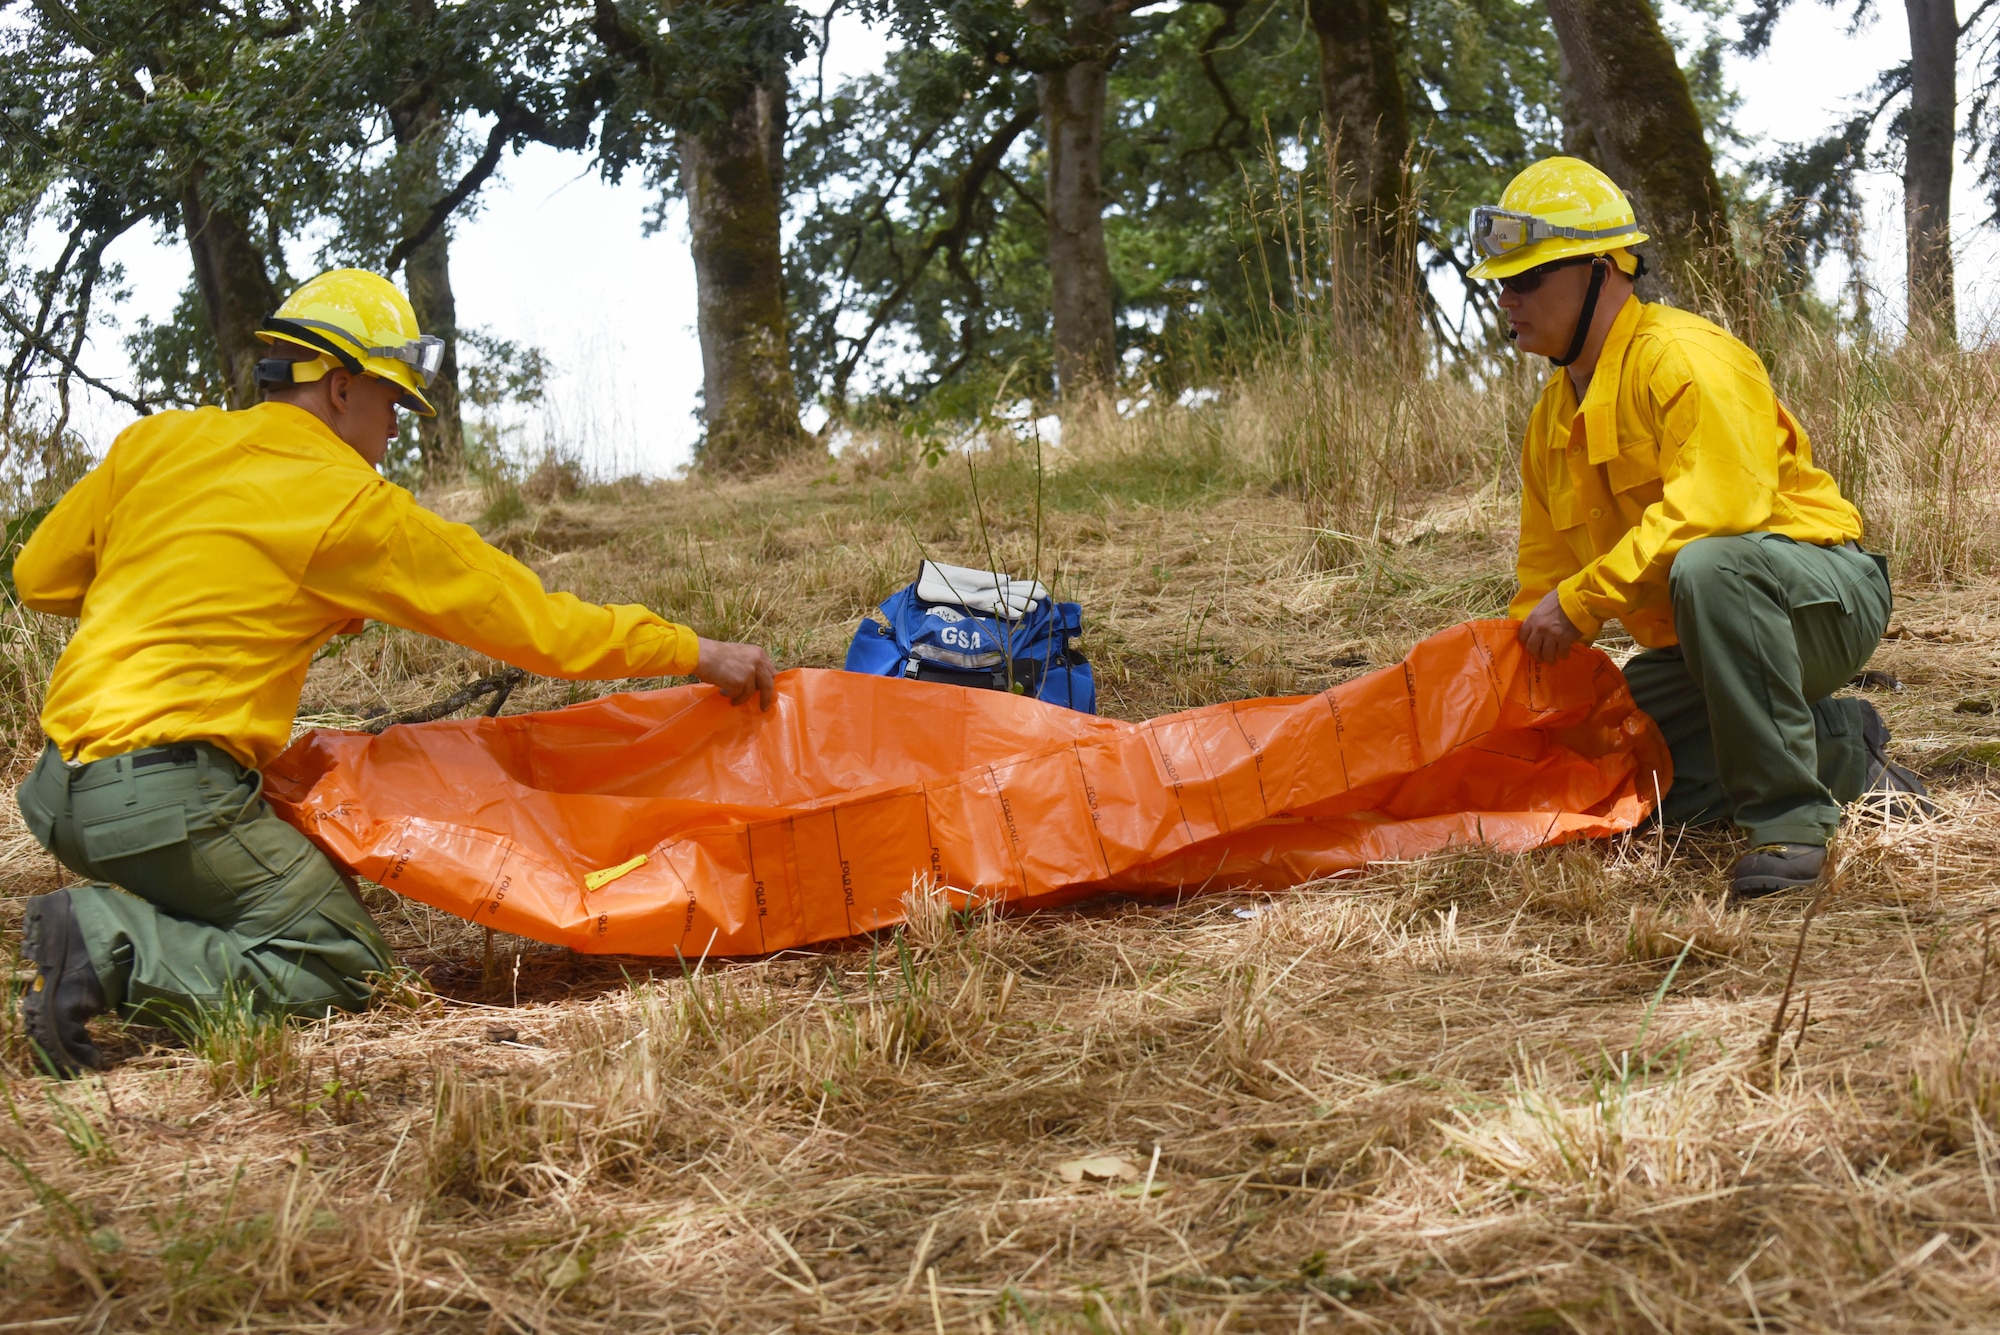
1568 1090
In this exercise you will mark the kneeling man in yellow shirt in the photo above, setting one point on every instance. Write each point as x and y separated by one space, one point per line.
1663 484
206 560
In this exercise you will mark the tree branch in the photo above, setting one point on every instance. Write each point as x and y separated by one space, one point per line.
512 121
1475 291
500 685
38 338
1231 113
880 212
66 18
18 368
1027 196
69 365
983 164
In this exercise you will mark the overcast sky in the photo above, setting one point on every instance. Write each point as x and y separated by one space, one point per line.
558 258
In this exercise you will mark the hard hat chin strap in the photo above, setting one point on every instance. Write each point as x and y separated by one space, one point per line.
1599 267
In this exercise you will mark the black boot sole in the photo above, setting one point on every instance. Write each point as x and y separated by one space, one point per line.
48 942
1761 887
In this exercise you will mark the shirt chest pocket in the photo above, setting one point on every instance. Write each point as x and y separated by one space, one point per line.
1632 475
1634 472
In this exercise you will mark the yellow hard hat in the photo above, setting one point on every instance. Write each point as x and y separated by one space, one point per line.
1557 208
359 321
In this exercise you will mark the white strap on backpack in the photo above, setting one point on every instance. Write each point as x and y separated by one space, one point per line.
984 591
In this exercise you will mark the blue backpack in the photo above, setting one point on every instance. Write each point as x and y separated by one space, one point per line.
950 642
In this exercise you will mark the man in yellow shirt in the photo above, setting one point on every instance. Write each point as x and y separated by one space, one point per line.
1663 484
207 559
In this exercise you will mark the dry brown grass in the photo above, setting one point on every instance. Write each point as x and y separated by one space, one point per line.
1913 439
1533 1093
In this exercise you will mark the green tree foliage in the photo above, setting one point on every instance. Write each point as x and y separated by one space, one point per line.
111 112
919 233
917 272
1816 181
282 121
429 73
1979 38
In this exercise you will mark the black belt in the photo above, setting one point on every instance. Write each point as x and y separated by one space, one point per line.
145 756
162 755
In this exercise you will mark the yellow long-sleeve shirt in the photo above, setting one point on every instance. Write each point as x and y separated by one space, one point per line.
211 554
1679 436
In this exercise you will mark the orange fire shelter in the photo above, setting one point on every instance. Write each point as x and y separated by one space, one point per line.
664 821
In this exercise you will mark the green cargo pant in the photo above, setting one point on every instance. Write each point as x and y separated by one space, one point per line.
220 898
1769 629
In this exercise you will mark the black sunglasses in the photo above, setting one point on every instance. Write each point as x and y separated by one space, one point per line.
1529 279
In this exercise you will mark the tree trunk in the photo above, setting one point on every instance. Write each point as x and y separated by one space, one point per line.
420 130
235 288
734 179
1646 134
1080 294
1927 167
1367 123
1579 139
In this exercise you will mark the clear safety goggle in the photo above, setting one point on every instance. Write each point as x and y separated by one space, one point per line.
1498 232
424 354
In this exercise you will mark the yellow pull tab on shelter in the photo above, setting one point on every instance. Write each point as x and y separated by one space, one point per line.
597 880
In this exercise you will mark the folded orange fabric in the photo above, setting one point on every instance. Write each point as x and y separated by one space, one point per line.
667 821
